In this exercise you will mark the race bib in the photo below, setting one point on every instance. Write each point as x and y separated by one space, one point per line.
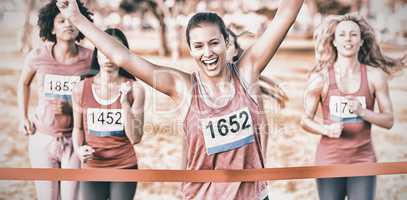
340 110
105 122
227 132
58 85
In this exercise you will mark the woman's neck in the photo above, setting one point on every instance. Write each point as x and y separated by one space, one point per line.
216 92
63 51
217 85
107 78
347 65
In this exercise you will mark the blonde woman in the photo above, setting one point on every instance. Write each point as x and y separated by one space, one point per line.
350 77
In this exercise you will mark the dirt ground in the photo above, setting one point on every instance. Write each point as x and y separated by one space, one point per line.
160 148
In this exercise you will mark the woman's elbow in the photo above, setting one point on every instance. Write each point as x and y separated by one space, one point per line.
22 84
390 122
137 140
139 136
303 123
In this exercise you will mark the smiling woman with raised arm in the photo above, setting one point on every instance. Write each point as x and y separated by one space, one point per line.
220 117
349 78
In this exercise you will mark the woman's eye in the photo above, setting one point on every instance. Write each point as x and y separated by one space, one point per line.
198 46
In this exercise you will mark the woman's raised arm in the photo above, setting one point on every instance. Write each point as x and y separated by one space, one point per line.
256 58
164 79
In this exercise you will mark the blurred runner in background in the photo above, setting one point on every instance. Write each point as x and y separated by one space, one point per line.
57 65
108 109
350 77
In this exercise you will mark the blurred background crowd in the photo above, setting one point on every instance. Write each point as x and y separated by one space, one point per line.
168 18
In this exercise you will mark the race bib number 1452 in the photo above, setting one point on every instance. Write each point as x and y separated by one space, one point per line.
227 132
105 122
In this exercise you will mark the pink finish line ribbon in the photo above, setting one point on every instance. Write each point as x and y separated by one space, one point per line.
151 175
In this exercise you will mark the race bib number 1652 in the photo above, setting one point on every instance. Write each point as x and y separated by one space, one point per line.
227 132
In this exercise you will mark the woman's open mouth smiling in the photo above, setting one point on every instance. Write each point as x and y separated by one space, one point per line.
211 63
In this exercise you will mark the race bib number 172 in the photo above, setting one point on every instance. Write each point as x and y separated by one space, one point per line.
228 132
339 108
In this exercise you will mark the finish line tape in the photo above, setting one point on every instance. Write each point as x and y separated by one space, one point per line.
151 175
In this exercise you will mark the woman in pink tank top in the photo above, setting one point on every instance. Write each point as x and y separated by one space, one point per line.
57 66
108 122
220 117
349 79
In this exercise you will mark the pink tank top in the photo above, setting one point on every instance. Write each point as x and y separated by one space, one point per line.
104 131
355 144
56 82
205 125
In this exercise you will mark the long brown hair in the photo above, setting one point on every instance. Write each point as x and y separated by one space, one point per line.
369 53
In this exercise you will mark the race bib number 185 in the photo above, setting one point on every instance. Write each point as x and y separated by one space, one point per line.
59 85
227 132
105 122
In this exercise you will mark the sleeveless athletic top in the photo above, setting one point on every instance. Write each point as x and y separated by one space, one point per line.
56 81
355 144
104 131
223 138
